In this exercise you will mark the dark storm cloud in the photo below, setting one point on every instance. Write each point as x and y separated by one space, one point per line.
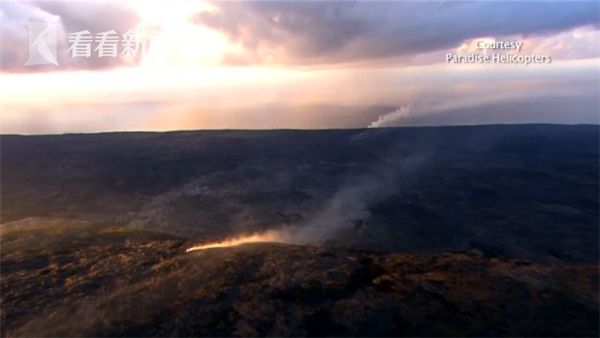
348 31
70 17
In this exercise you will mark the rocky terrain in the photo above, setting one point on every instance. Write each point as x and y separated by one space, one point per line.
528 191
441 231
75 279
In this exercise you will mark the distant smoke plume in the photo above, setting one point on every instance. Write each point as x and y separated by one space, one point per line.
391 118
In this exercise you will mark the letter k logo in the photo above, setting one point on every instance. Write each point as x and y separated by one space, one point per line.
42 44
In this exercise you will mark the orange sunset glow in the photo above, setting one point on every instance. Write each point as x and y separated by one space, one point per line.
202 73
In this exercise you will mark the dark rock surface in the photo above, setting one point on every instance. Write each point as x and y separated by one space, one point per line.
527 191
449 231
74 279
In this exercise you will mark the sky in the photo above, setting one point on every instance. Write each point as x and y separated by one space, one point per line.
293 64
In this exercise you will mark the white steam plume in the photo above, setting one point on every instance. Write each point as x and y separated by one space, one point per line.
392 118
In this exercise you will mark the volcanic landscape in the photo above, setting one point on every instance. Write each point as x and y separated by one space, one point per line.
431 231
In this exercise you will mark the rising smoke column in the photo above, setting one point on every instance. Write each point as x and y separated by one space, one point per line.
393 117
351 202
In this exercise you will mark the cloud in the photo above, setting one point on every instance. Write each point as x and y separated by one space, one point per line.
69 17
316 32
561 92
96 16
344 31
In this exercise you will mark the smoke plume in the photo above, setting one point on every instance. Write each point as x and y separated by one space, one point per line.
350 204
391 118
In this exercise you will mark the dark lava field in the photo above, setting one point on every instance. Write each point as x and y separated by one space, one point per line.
433 231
